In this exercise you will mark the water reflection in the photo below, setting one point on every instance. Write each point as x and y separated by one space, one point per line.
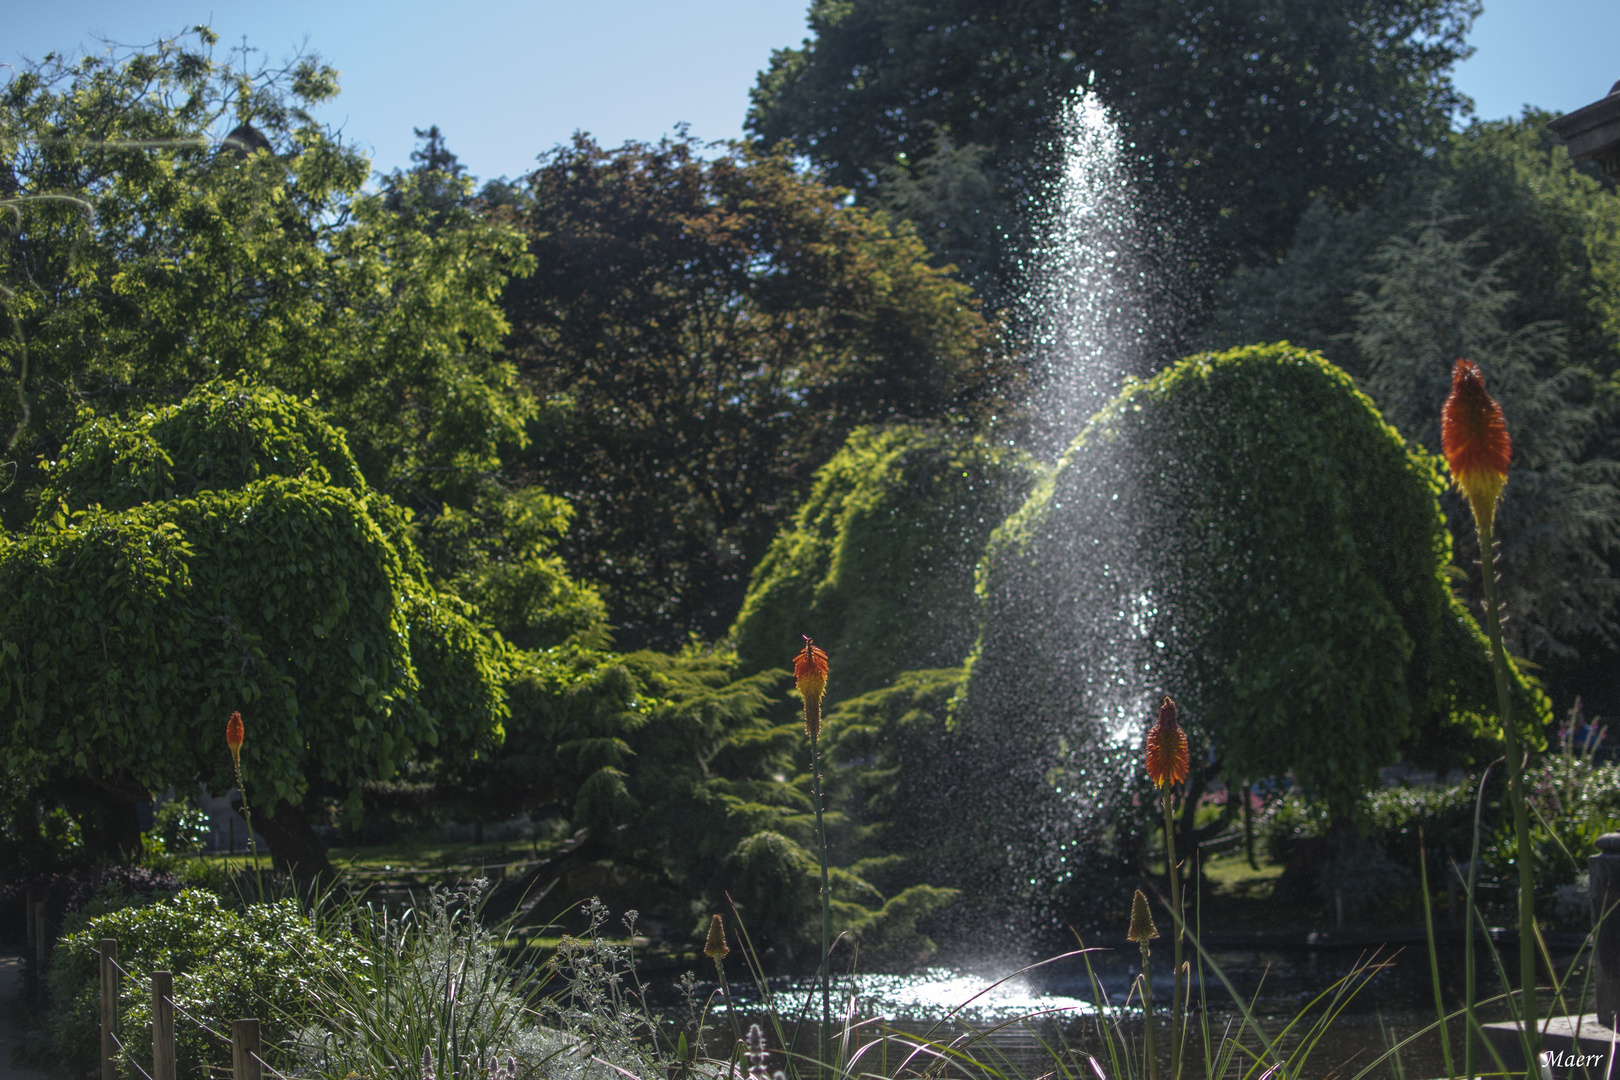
1032 1020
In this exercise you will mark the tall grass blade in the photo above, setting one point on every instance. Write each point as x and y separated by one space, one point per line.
1434 957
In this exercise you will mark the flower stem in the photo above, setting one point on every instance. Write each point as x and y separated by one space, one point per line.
253 846
1471 912
1175 919
1515 768
1434 959
731 1012
1147 1013
826 900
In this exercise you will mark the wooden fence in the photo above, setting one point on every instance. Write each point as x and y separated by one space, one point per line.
246 1063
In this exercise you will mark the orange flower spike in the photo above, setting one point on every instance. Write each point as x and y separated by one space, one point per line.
1474 436
234 733
1167 748
810 672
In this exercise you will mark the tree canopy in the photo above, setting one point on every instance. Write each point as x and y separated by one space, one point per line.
716 327
1244 108
1504 251
1244 531
224 555
140 257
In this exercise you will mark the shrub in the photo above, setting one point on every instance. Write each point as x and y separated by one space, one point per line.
181 826
878 564
72 890
1574 798
1247 530
265 961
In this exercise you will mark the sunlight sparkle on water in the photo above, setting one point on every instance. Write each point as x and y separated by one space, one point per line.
937 992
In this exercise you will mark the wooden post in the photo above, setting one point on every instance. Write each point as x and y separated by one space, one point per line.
109 1008
245 1050
1603 881
28 917
35 917
41 939
162 1026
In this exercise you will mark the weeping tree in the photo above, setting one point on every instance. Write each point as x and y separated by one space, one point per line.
1242 531
878 563
226 555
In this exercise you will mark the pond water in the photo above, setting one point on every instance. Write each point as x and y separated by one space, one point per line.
1050 1019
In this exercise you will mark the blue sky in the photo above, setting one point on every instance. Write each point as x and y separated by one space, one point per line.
507 80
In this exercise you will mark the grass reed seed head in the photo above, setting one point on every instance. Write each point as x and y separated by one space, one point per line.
1142 929
714 946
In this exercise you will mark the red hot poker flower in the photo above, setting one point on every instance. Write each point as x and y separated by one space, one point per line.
810 672
1474 436
234 733
1166 748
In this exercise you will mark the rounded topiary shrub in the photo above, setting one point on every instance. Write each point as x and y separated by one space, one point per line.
1245 533
878 565
225 555
775 884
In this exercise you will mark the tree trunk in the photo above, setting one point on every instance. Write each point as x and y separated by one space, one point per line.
294 847
1188 838
107 819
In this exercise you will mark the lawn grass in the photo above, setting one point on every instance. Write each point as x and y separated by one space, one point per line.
1231 875
1238 898
431 854
427 855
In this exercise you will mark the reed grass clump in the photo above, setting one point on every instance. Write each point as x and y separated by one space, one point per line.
436 989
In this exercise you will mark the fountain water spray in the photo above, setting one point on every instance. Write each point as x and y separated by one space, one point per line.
1068 667
1099 302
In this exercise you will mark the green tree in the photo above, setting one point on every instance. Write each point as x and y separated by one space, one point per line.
225 555
141 257
440 179
1429 302
1245 530
958 204
878 563
1550 228
499 555
1503 250
1246 108
717 328
1305 296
